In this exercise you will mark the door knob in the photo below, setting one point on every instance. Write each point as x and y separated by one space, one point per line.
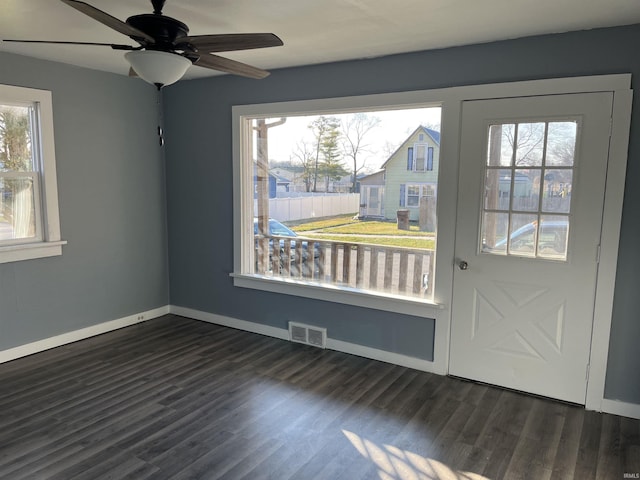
462 265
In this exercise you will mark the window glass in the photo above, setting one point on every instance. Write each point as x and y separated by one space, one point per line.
28 189
413 195
520 195
420 157
18 178
342 187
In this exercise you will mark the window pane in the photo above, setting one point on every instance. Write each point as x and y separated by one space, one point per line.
526 190
497 189
552 241
500 151
420 158
557 191
530 144
310 224
428 190
535 185
561 143
15 139
522 238
494 232
17 208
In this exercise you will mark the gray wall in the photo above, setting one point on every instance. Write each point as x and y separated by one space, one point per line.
112 207
199 187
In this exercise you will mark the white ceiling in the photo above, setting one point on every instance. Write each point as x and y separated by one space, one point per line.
313 31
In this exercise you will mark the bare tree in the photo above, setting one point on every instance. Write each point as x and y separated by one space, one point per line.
354 130
303 153
527 144
389 148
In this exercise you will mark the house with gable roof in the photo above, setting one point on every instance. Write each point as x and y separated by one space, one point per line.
407 176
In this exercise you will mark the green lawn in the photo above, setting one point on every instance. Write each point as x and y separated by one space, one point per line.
407 242
345 229
347 225
303 226
377 228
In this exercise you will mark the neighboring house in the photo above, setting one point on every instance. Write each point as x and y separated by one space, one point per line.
273 183
372 195
410 174
283 181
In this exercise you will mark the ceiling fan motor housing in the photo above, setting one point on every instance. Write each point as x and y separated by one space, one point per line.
165 30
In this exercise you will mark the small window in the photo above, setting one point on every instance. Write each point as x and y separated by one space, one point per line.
420 157
414 193
29 225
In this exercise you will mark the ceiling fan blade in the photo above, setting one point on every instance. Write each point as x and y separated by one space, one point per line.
115 46
230 42
109 21
215 62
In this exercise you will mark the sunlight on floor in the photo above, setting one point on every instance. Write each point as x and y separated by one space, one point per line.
396 464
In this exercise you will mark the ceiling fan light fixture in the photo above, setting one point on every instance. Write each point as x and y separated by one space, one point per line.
158 68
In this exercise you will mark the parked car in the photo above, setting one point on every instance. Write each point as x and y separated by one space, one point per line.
552 242
277 229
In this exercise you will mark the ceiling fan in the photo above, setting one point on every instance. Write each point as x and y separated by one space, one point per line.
166 50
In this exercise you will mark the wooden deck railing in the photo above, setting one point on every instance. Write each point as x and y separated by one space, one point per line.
397 270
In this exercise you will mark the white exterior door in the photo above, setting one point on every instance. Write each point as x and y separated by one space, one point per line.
531 189
374 197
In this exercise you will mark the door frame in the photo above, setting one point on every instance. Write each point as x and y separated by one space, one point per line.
620 86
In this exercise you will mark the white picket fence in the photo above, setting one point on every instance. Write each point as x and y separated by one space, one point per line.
312 206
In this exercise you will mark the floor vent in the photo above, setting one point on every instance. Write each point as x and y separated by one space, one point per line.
307 334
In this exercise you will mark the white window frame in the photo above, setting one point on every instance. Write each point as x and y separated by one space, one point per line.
415 157
48 238
423 192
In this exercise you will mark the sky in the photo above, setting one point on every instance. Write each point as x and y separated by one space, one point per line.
394 128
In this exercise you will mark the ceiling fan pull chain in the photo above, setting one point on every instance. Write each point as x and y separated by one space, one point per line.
160 119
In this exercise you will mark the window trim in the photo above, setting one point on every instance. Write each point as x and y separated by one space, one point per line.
50 243
243 204
412 157
421 186
416 147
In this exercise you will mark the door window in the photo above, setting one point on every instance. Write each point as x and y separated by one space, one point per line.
529 171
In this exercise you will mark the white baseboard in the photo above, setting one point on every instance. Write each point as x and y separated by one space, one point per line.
381 355
283 334
253 327
74 336
624 409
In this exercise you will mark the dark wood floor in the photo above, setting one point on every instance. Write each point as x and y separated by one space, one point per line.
177 398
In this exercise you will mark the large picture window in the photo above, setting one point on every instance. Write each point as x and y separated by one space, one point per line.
303 219
29 226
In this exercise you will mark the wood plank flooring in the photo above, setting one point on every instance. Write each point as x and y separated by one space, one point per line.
175 398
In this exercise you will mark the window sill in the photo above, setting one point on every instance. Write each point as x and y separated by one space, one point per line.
339 294
30 251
